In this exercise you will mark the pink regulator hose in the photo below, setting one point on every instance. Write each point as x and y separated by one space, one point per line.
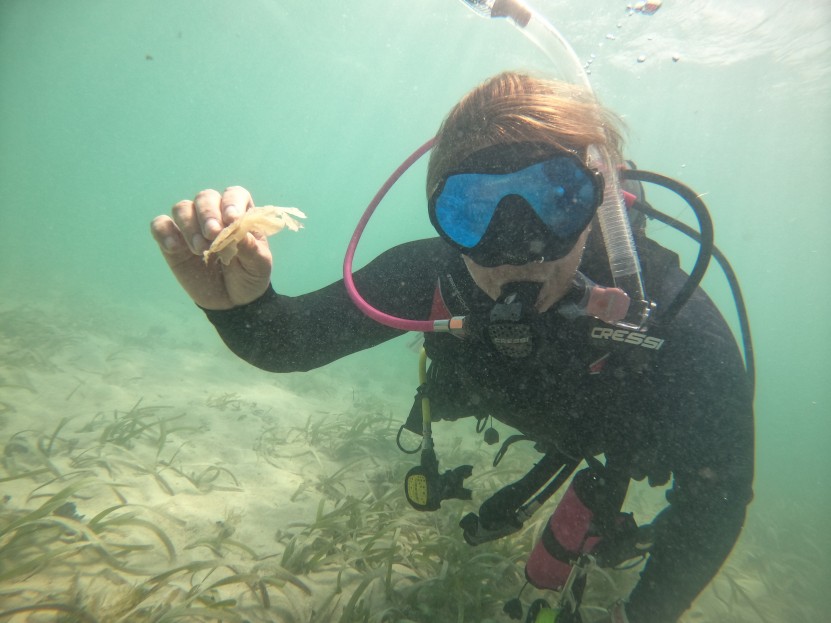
360 302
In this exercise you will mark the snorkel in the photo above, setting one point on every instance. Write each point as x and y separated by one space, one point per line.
612 216
628 307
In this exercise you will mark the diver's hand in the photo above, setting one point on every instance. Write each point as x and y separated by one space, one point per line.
188 232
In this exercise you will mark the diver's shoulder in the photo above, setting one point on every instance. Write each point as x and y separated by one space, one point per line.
430 250
699 323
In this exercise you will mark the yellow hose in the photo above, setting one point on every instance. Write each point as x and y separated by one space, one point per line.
425 401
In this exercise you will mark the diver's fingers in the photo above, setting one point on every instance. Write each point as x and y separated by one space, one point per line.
203 283
235 201
206 206
170 239
184 216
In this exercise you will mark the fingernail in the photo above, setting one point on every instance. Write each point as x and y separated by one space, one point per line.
212 226
231 211
170 243
198 242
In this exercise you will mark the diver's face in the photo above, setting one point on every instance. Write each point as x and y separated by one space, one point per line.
556 276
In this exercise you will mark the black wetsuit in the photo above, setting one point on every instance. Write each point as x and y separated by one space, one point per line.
683 408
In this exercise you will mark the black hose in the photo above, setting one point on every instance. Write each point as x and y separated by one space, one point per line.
705 240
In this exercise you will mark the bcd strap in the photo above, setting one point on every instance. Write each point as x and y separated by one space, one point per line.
502 506
504 449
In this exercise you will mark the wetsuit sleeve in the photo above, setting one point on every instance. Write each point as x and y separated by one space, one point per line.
709 446
289 334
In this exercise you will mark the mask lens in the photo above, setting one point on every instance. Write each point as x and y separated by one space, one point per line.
465 206
568 198
561 191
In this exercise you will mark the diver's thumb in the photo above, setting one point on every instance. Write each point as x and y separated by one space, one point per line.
254 255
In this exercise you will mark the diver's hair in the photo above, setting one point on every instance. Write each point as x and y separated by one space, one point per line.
515 107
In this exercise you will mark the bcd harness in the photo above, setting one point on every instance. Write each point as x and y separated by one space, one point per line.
506 511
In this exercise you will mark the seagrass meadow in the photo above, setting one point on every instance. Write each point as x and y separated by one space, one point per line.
145 496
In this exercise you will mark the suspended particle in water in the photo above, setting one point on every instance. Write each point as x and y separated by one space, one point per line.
610 37
676 57
642 58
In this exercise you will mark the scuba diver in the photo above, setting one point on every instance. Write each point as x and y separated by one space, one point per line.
523 332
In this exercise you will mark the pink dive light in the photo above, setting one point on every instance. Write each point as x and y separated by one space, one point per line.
377 315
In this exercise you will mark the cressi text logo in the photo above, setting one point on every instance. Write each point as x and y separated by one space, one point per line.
627 337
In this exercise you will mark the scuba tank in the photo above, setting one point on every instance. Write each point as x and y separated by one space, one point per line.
589 508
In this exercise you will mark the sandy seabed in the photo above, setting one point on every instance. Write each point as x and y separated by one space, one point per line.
150 476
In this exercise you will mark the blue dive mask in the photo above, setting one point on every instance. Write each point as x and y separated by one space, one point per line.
516 203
